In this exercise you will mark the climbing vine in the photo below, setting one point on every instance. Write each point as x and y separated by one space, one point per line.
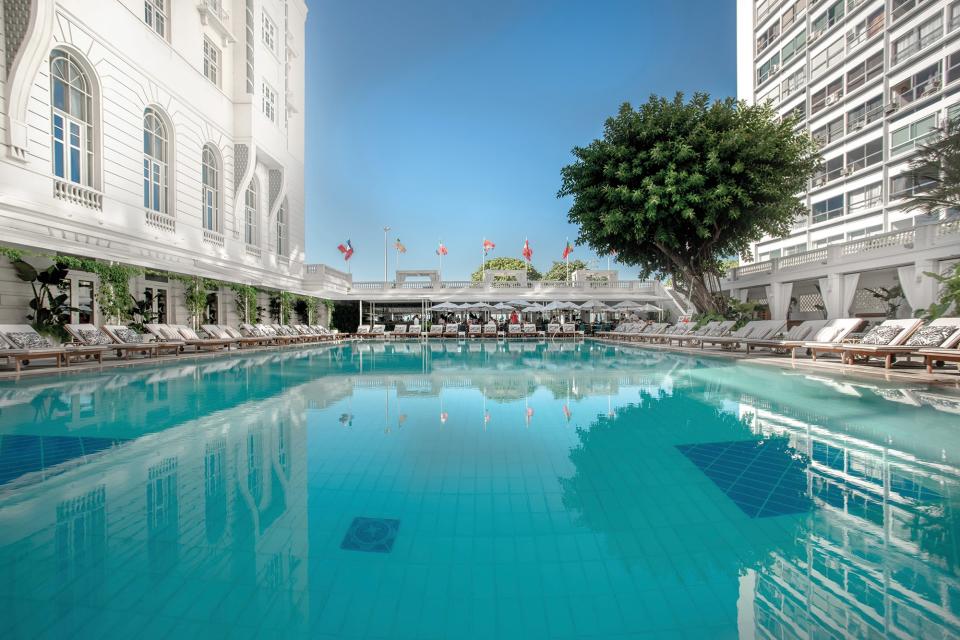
245 297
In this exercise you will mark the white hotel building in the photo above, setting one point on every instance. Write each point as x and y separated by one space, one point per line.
165 134
870 80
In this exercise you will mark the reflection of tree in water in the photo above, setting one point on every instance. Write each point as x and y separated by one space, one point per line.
618 457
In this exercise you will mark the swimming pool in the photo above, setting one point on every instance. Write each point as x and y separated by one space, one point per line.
476 490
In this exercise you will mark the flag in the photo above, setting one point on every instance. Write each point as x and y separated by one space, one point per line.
567 250
441 250
488 246
346 250
527 251
399 246
567 413
443 417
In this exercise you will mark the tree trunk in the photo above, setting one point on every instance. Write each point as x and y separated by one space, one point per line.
700 294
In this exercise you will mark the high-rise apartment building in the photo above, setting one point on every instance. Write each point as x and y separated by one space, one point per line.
871 81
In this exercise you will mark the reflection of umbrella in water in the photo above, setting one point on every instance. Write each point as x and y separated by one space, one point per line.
346 419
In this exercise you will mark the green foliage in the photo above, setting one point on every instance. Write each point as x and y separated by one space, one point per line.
141 311
558 271
515 264
48 311
949 294
892 297
937 168
245 298
195 295
740 312
676 187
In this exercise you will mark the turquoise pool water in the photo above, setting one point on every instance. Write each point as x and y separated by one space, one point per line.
477 490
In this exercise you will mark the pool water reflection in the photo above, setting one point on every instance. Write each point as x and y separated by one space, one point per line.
476 490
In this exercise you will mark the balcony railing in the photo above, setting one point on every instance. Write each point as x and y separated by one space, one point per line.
213 237
77 194
253 250
921 237
214 14
926 88
532 286
162 221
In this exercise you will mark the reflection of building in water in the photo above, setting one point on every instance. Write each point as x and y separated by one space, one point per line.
880 552
230 486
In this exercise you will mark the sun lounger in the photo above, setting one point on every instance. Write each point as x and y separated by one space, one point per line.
553 329
649 329
22 344
451 330
377 332
515 331
220 333
191 338
490 330
90 336
679 329
759 329
436 330
529 330
792 339
939 334
713 329
569 329
362 330
127 336
830 338
474 330
399 331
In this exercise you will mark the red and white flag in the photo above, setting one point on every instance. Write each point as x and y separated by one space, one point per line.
346 250
488 246
567 250
527 251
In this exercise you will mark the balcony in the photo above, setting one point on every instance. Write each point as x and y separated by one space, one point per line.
162 221
253 251
213 14
904 94
77 194
941 240
213 237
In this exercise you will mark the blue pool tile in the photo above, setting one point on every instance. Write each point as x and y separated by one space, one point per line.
371 534
764 478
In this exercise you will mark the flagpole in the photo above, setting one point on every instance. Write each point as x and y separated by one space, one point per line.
566 259
483 260
440 253
385 230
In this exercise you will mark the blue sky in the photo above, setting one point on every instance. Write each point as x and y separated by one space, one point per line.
451 119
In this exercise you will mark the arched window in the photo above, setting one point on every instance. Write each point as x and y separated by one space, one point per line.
282 248
156 153
210 180
251 212
71 121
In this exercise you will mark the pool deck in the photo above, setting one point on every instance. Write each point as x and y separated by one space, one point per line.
907 372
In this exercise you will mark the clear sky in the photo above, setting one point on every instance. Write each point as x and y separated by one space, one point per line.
450 119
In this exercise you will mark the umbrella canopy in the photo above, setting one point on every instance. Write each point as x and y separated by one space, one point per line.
648 307
595 305
534 308
482 306
628 305
558 305
504 306
443 306
518 303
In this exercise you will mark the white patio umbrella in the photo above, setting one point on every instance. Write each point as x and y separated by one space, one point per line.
648 308
533 308
594 305
505 306
519 304
628 305
443 306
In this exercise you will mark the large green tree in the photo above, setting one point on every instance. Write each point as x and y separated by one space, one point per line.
676 186
934 175
559 269
505 263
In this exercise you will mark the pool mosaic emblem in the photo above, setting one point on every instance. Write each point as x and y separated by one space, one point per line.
371 534
763 477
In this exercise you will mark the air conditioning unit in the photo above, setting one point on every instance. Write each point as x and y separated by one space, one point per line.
848 170
893 107
815 35
774 68
819 182
833 97
856 126
933 86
